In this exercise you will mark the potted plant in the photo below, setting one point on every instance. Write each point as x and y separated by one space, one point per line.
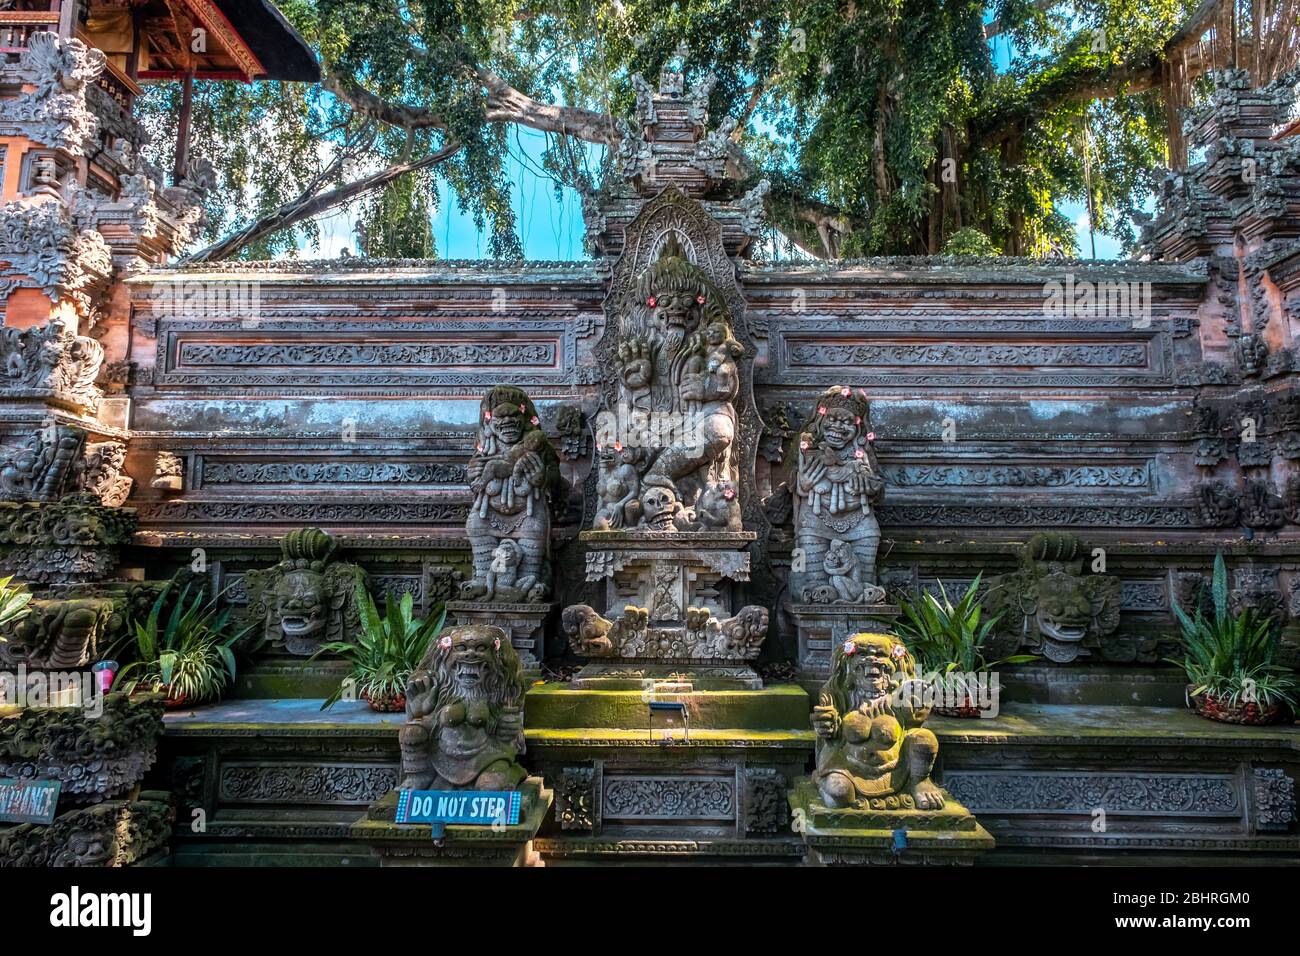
1228 659
948 642
387 650
188 655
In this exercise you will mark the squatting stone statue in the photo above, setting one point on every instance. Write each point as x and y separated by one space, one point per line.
512 472
464 710
837 483
872 752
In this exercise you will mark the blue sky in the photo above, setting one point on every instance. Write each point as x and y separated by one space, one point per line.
550 227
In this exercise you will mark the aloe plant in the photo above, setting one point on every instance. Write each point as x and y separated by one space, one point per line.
947 637
388 649
13 603
1230 657
189 652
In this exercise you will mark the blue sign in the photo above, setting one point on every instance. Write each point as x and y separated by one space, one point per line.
481 808
28 801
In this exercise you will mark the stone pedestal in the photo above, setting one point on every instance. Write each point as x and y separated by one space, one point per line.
413 844
823 626
669 599
893 834
525 623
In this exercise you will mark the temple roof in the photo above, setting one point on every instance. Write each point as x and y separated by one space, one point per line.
277 45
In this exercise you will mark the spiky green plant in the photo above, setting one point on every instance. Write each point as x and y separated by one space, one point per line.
13 603
189 652
947 637
387 650
1230 656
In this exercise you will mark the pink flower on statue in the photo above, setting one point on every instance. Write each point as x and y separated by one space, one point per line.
899 650
522 408
871 436
846 391
803 445
533 421
857 420
859 453
444 643
699 300
850 648
496 643
487 416
729 493
821 409
652 302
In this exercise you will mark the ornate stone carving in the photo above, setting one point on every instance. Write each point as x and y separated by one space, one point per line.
331 472
57 635
75 540
309 598
1082 792
48 246
103 474
52 359
94 758
1018 476
1050 606
1258 588
305 783
168 472
512 474
766 808
576 798
47 467
465 714
837 482
55 112
1274 794
1261 506
1218 505
118 833
663 797
635 634
872 752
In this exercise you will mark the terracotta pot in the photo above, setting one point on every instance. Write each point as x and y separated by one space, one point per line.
1208 706
967 709
170 702
388 704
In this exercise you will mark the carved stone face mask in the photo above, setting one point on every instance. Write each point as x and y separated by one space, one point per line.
659 505
508 423
840 428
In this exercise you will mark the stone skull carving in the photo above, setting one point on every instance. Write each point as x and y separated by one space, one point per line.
309 598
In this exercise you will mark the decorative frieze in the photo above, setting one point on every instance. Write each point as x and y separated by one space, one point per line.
909 475
645 798
331 472
305 783
1136 793
1274 794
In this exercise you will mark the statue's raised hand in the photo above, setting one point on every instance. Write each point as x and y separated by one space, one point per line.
825 718
529 469
419 693
634 358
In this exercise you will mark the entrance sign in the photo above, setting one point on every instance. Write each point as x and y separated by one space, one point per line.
28 801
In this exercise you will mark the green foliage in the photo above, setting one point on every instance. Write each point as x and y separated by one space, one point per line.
188 651
969 242
387 651
897 118
1231 656
947 637
13 603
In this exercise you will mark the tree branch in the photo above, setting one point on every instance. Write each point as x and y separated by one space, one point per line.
309 204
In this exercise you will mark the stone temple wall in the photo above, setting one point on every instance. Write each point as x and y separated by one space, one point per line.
345 394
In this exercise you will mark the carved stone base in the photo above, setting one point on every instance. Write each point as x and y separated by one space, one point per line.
525 623
112 834
845 837
413 844
822 626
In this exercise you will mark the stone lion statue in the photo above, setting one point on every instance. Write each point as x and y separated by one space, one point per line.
1050 606
465 714
872 752
309 598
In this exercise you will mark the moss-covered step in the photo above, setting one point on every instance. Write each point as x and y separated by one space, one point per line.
871 836
413 844
555 706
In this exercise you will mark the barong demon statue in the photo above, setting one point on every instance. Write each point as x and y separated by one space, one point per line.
512 473
872 752
309 598
837 483
464 710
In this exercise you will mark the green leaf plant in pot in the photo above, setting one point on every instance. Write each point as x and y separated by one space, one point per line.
186 652
387 651
1229 661
948 642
